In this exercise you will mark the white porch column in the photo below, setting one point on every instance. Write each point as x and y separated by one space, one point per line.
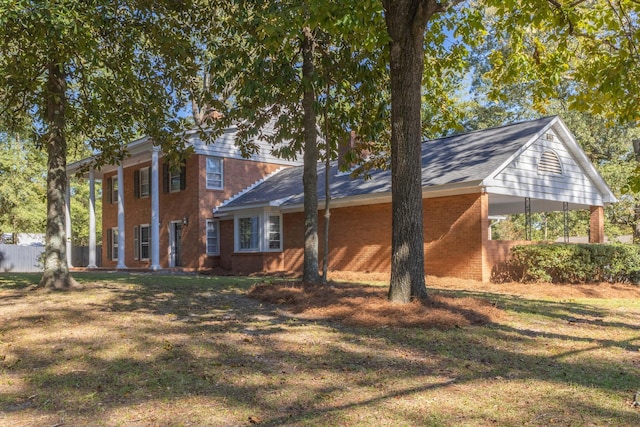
92 220
155 212
121 233
67 221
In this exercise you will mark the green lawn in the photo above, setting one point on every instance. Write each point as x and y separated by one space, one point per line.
174 350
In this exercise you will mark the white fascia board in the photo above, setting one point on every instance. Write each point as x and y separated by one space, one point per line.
224 210
467 187
74 167
537 195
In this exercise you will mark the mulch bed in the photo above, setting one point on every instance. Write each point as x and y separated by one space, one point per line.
361 305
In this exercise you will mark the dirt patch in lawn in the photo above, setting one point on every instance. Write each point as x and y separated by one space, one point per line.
361 305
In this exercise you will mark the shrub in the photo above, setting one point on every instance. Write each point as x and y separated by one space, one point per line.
576 263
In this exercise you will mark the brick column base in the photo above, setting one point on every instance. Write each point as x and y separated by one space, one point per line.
596 224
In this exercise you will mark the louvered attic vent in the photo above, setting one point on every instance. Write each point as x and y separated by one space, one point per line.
549 163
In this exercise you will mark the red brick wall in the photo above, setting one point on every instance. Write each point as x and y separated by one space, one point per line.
453 231
360 237
238 175
194 203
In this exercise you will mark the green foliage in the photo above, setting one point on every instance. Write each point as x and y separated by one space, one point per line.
126 64
22 186
584 263
256 71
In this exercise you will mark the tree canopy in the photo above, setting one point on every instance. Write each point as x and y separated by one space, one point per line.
104 72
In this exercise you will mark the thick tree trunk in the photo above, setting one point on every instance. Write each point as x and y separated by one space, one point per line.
636 216
327 212
56 271
406 23
310 175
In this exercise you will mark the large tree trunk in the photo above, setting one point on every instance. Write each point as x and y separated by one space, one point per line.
636 216
406 23
310 176
56 271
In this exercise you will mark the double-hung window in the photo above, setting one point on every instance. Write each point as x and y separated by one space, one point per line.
213 242
174 181
214 173
141 242
114 189
114 244
143 187
273 230
144 242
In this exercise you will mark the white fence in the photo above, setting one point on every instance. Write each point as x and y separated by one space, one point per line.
20 259
27 259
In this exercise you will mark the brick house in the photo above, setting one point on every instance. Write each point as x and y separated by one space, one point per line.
156 218
252 221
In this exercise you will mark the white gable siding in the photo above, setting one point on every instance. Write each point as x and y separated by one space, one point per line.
521 178
224 146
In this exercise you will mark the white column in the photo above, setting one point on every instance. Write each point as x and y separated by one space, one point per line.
67 221
92 220
121 233
155 212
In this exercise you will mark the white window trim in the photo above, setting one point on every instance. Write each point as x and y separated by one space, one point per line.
173 174
217 252
263 231
268 247
136 242
114 244
148 244
148 182
114 189
212 187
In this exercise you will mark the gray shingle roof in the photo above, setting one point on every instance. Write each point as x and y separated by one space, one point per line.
467 157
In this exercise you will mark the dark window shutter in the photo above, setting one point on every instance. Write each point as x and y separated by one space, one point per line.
136 184
109 191
109 244
183 178
165 177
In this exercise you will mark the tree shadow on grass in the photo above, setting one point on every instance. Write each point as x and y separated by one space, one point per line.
172 348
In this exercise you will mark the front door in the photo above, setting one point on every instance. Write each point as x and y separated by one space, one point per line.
175 258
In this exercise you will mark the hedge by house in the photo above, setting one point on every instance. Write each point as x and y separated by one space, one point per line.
575 263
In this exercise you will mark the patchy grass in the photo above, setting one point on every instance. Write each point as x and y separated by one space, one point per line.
177 350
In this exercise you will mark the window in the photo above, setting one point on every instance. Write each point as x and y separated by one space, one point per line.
141 242
273 227
114 189
213 247
114 244
173 180
144 242
214 173
249 233
136 242
258 232
549 163
141 183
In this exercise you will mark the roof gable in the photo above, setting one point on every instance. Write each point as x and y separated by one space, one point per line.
468 160
532 171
